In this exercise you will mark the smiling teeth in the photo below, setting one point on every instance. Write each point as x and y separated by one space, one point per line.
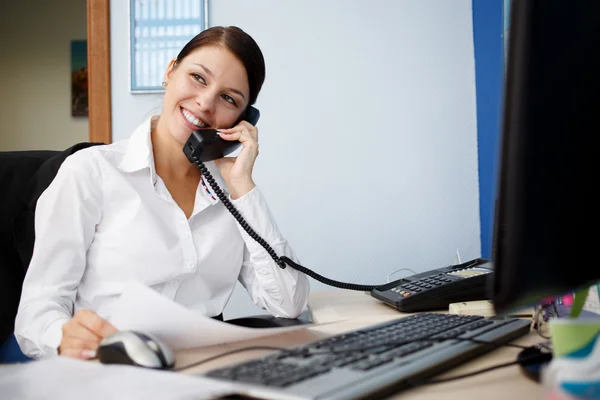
192 120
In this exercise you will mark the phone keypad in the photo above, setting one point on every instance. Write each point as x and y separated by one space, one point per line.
421 285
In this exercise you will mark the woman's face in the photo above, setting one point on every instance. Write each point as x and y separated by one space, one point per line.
208 88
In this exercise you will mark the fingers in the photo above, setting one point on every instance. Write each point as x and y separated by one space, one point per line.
82 335
78 348
94 323
73 353
79 354
80 332
78 342
244 131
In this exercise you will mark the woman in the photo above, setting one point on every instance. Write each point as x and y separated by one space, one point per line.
138 210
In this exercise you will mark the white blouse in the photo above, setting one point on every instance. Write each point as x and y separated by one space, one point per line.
107 219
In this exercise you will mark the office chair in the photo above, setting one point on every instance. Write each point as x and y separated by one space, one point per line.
24 175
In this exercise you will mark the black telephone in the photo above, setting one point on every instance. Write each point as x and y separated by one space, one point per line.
208 146
205 145
436 289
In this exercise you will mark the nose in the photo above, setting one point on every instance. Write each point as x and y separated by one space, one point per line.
206 100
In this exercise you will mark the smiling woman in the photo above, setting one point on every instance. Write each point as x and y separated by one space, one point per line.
139 210
200 98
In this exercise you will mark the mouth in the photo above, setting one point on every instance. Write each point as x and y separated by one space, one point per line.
192 120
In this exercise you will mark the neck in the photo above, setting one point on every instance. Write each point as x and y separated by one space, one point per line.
169 160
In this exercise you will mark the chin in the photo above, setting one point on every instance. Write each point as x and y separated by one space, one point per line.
180 135
182 139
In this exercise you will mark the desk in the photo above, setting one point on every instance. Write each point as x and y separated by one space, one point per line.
345 310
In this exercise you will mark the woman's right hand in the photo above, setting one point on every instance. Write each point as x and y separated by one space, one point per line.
82 335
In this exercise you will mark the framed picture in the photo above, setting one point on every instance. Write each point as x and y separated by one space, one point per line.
79 78
158 31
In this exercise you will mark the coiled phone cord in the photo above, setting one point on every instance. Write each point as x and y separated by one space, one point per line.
281 261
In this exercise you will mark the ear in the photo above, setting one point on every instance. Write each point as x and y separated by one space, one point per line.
170 70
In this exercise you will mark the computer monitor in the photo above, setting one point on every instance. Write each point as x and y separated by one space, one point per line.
545 240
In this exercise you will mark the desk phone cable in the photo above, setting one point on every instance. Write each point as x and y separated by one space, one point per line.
414 383
283 260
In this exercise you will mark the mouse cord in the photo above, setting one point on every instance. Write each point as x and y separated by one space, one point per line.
525 360
415 383
227 353
533 359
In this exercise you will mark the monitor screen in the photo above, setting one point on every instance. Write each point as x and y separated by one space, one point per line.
545 237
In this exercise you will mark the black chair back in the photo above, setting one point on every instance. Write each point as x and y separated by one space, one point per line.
24 175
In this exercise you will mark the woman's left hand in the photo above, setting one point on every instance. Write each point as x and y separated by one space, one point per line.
237 171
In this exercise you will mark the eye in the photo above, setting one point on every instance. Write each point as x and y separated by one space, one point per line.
229 99
199 78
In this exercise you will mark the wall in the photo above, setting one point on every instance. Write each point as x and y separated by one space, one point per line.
368 130
506 24
35 74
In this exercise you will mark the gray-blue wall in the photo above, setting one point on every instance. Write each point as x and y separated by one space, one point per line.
368 130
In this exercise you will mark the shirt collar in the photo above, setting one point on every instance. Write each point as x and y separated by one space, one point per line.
139 155
139 150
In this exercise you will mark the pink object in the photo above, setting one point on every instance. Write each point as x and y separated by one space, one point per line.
568 300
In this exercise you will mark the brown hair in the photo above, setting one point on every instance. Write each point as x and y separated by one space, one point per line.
241 45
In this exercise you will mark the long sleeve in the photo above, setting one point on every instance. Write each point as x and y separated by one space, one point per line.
282 292
65 219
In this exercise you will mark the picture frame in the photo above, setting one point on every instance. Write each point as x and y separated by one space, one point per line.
79 79
158 29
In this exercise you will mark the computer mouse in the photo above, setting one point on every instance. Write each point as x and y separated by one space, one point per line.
532 360
135 348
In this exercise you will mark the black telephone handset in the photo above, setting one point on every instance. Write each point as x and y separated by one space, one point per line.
208 146
205 145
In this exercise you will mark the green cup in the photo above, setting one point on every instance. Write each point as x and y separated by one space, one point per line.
574 337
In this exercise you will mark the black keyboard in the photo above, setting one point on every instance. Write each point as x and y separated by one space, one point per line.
371 362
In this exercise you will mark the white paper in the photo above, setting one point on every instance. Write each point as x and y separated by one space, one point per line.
69 379
142 308
592 302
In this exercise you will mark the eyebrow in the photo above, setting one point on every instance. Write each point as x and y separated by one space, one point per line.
208 72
